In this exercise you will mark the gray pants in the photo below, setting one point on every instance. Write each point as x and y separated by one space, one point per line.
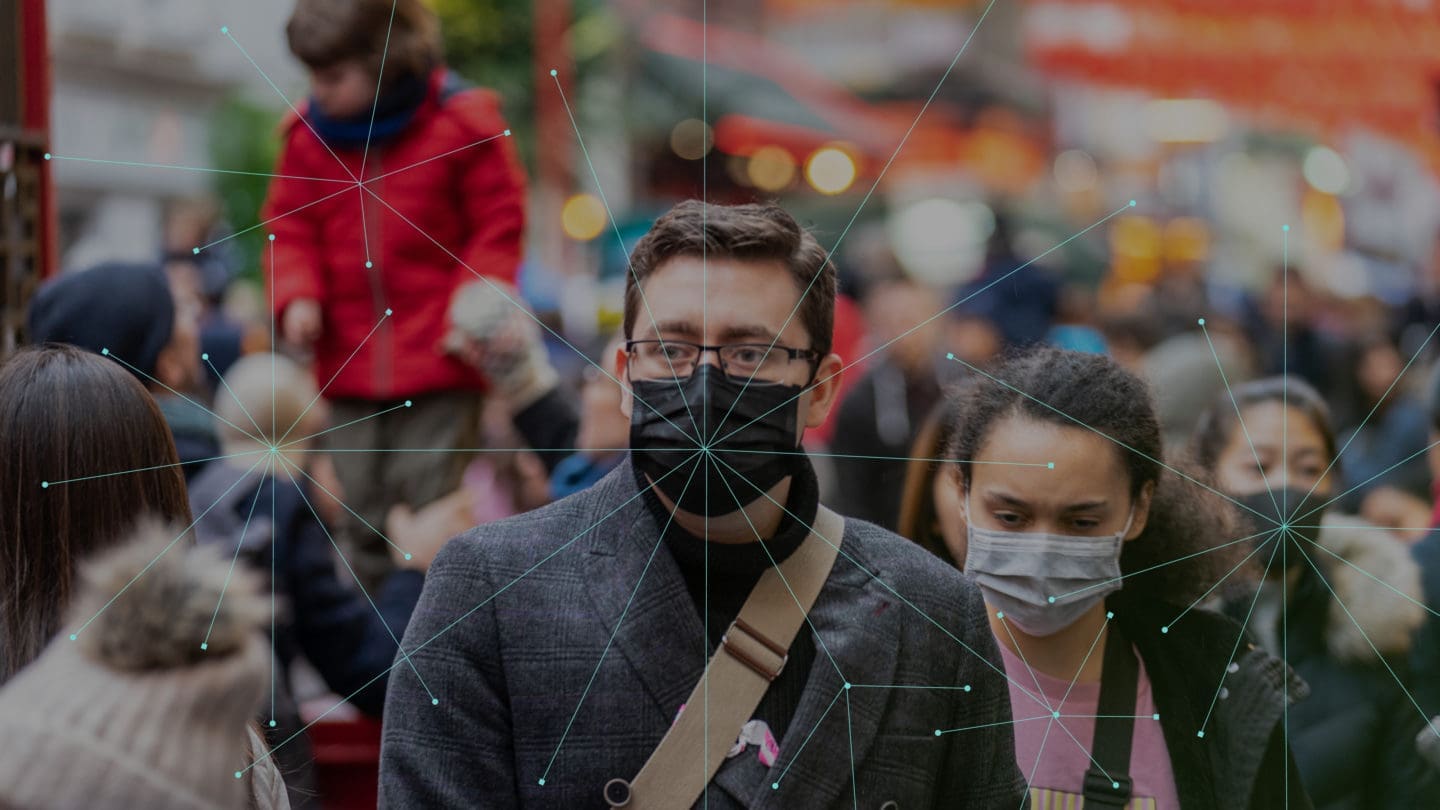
407 455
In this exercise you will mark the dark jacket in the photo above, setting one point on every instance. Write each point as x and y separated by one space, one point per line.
560 644
1238 705
876 425
340 630
1349 633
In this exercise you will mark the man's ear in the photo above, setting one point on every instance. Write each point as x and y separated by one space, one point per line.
1142 511
824 391
622 373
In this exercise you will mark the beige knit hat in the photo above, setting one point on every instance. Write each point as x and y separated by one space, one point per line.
128 710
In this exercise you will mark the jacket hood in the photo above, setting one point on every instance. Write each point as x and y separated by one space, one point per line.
1377 604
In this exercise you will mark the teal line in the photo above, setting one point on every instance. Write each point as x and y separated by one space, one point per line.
226 31
151 564
776 784
1241 419
1041 465
843 553
208 170
1407 597
332 195
1084 661
1398 682
48 484
341 501
274 658
358 584
233 560
329 382
122 362
273 274
1035 679
1357 430
1086 749
866 199
620 241
447 628
1238 638
939 314
850 737
352 422
447 153
1039 752
659 541
939 731
1278 535
1112 439
771 557
636 398
461 450
965 688
384 53
258 430
1163 564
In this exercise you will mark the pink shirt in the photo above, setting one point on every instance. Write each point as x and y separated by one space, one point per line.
1054 753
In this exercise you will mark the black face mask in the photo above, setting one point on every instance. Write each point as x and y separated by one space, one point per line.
755 448
1297 502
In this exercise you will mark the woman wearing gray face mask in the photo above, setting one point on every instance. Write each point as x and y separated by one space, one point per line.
1091 569
1338 599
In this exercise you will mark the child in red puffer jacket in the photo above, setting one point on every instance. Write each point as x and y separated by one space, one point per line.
397 184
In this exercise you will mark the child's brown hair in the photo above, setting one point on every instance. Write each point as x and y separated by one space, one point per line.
322 33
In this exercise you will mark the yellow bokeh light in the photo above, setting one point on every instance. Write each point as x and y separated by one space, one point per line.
771 168
583 217
830 170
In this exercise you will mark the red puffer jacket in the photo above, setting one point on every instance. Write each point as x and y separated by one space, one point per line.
448 199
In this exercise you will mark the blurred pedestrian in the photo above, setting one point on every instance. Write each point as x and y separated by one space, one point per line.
1339 599
131 313
365 277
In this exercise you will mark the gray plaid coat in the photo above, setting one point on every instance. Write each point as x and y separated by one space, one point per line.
516 615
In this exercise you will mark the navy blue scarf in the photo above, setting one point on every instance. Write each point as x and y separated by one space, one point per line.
394 111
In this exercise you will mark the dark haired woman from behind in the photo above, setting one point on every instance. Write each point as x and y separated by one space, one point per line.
1122 691
72 424
1339 600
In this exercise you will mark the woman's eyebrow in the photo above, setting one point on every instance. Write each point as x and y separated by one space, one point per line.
1085 506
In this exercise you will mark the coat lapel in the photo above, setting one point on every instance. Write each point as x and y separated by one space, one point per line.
857 620
660 634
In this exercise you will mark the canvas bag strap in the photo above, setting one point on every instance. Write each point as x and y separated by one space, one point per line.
751 654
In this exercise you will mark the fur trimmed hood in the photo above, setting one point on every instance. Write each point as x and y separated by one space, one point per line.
1376 582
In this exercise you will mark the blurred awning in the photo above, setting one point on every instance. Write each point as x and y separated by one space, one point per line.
1323 67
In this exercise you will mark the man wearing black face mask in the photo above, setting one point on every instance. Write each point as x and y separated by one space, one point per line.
695 629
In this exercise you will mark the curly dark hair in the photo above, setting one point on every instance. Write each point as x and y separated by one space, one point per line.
1092 392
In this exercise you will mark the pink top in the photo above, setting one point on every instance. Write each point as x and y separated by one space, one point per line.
1055 753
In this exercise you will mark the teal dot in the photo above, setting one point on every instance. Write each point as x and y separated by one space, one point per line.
204 355
389 312
47 155
44 484
237 774
1132 203
1115 785
434 701
407 555
542 781
204 645
847 684
195 250
271 237
73 636
1200 734
776 785
999 614
507 133
369 264
1050 466
1164 630
105 352
272 723
1155 716
1055 715
967 687
1109 614
225 29
1050 599
949 355
1284 227
1201 321
554 72
407 403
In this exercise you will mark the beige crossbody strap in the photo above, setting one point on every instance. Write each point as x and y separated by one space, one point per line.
751 655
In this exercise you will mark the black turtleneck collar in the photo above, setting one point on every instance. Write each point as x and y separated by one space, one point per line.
734 568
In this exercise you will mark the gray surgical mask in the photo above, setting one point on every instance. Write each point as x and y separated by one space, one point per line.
1043 582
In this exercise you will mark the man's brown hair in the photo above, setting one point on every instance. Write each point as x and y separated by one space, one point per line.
322 33
748 233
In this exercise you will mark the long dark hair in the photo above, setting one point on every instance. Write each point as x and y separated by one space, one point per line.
918 520
66 414
1090 391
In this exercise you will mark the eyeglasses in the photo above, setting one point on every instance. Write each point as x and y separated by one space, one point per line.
753 363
